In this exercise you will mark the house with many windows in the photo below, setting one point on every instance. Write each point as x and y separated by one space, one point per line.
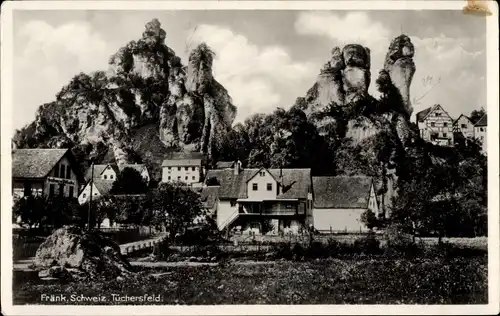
189 171
49 172
480 132
262 200
339 202
436 126
464 126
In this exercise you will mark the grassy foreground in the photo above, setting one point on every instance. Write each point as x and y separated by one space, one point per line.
328 281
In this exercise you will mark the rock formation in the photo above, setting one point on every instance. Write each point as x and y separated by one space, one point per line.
75 255
146 83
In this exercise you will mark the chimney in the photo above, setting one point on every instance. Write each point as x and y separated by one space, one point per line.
237 167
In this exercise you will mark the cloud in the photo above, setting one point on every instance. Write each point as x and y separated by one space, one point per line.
257 78
458 64
47 57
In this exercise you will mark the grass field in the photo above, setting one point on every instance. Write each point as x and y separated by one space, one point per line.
328 281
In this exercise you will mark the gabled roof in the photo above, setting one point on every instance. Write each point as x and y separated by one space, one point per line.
424 113
295 184
341 191
181 162
35 163
98 170
224 164
461 115
483 121
103 186
258 171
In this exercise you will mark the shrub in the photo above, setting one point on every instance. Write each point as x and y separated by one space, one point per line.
298 252
367 245
400 244
282 250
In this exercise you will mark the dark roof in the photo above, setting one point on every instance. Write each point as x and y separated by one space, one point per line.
208 196
35 163
462 115
225 164
422 114
181 162
103 186
296 182
483 121
341 191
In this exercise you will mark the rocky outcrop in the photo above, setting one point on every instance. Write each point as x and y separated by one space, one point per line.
76 255
343 83
146 83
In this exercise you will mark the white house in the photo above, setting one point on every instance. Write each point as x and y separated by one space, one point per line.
480 132
436 126
103 171
464 125
248 199
339 202
182 170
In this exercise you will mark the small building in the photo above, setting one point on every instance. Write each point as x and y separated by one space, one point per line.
436 126
45 172
480 132
261 200
464 125
339 202
188 171
103 171
99 188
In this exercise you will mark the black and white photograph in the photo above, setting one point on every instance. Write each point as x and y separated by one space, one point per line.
194 157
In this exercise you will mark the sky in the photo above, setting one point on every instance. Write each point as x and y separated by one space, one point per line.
265 59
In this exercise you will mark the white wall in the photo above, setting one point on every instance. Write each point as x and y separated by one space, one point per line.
339 220
481 134
67 181
262 181
467 129
225 211
173 174
85 194
108 174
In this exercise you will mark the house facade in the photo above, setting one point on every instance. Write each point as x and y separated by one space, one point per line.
48 172
263 201
480 132
464 126
99 188
340 201
436 126
188 171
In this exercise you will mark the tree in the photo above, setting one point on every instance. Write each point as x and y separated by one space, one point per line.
177 206
129 181
369 219
476 115
29 211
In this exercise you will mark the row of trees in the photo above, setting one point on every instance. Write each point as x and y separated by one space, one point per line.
169 207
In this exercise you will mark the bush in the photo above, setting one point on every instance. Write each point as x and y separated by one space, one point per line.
448 251
368 245
399 244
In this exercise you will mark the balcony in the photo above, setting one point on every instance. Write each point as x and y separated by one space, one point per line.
271 208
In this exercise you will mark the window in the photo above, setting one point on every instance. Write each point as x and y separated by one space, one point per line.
464 125
445 135
105 177
61 173
438 114
169 177
27 188
269 187
56 171
111 176
233 203
194 168
186 168
61 189
289 205
71 191
186 178
52 189
194 177
433 124
255 186
178 168
179 178
68 172
287 223
84 195
481 129
262 173
445 124
169 168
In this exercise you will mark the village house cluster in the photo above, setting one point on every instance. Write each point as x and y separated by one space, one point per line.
244 200
438 127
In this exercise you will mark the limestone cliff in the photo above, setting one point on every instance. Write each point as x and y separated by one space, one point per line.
146 83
